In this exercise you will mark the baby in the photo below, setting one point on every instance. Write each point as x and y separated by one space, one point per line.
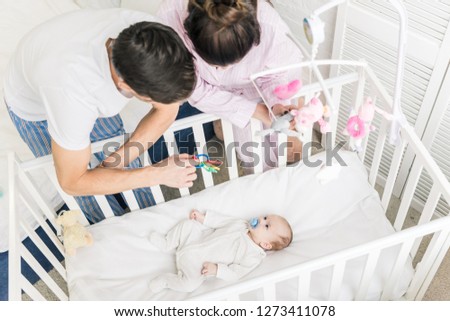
221 246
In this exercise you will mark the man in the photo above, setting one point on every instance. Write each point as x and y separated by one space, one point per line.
69 79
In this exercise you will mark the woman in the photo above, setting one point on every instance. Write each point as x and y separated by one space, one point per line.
231 40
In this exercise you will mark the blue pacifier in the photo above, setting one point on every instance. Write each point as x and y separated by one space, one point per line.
254 222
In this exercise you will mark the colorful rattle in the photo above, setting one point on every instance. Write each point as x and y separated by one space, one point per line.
210 165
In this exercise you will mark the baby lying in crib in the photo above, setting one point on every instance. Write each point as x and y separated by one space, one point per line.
214 245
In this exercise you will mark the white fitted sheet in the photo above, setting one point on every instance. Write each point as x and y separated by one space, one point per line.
324 218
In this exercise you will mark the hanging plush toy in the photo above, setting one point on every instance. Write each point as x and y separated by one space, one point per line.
313 112
282 123
359 125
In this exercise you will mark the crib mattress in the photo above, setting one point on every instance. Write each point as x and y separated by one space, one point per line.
325 218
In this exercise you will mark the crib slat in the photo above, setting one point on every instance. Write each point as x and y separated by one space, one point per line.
69 200
358 96
365 140
104 205
378 153
306 141
398 268
430 205
427 214
157 194
269 292
334 117
173 150
14 262
156 190
304 284
307 134
336 280
44 249
424 267
392 176
202 149
43 225
230 149
434 267
257 150
29 289
45 277
367 274
358 100
282 153
408 195
145 158
131 200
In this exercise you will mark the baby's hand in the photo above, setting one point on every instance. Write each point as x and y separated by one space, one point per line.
197 216
209 268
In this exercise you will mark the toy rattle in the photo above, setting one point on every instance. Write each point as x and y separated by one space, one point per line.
210 165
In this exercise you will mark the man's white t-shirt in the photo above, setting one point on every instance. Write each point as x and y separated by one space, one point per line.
61 73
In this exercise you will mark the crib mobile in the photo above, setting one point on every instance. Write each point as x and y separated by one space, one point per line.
358 125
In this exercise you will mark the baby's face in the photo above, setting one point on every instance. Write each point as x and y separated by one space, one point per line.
269 228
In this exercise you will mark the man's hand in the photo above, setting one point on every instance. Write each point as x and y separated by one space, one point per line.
176 171
209 269
197 216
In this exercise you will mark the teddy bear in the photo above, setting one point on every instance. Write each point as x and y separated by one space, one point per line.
74 234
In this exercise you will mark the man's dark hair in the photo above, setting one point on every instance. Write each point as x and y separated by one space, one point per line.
153 60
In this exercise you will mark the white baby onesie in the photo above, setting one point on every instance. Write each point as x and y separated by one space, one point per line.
220 239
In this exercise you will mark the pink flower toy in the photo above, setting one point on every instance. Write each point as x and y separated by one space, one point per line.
355 127
359 125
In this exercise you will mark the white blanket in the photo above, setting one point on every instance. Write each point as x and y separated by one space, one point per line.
325 219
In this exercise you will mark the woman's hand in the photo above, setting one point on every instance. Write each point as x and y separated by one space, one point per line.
280 110
262 113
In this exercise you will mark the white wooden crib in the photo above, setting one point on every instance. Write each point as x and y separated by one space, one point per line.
355 77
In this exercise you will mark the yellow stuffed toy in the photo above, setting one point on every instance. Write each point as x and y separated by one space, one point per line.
74 234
